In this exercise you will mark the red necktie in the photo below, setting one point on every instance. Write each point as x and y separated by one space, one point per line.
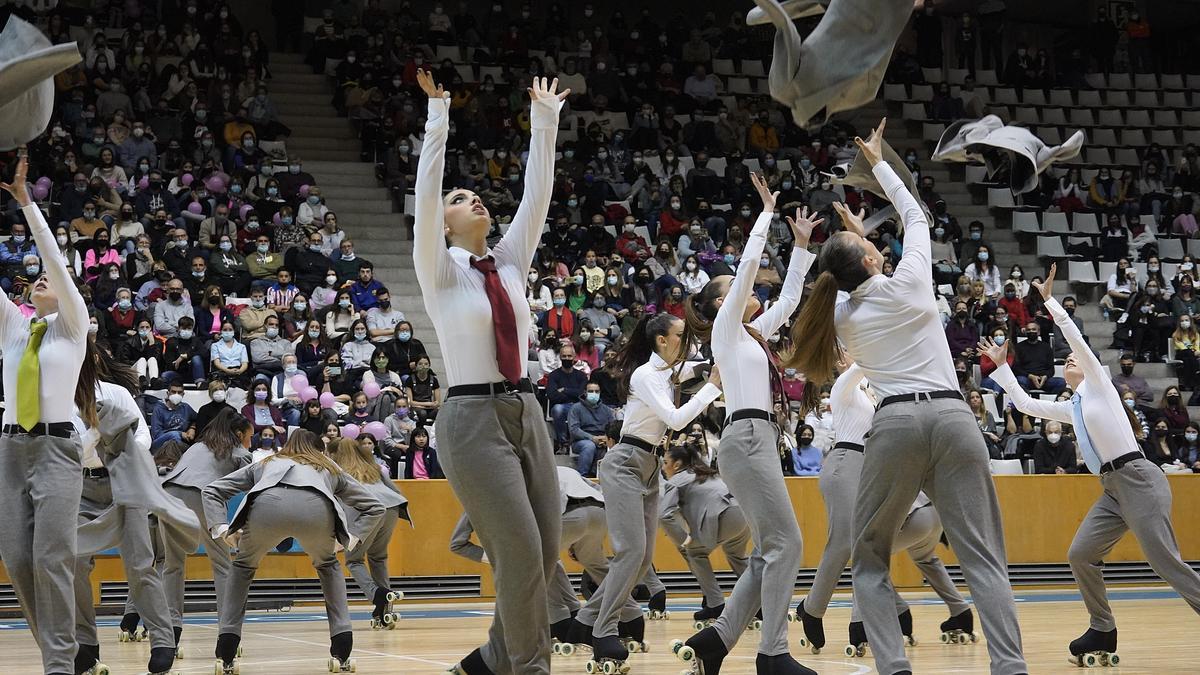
504 321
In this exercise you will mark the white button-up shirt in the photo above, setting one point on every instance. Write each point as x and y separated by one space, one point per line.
64 344
453 291
852 408
890 326
651 405
745 374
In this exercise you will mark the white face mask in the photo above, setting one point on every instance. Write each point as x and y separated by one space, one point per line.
219 396
175 399
1053 438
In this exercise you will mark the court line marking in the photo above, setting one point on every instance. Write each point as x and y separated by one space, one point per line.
355 653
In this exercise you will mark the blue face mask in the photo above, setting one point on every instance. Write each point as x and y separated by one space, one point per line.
235 189
124 304
359 337
729 258
272 191
999 339
314 200
225 246
976 236
144 332
593 397
559 302
227 335
32 270
314 334
983 256
286 220
404 336
263 248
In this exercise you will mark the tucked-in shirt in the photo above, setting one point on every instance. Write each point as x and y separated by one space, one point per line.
890 325
453 291
1103 413
61 352
745 374
651 405
852 408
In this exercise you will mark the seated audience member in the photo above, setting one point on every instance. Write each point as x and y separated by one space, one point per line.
267 352
229 358
423 391
806 456
1054 452
1173 410
1034 363
173 307
1160 445
259 410
586 421
420 461
1135 383
962 333
383 318
1189 448
987 424
217 392
1186 339
173 420
182 358
564 388
400 425
252 320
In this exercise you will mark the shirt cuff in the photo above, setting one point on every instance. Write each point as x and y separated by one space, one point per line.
709 393
543 113
439 108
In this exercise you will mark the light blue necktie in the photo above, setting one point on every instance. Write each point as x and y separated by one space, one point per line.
1085 442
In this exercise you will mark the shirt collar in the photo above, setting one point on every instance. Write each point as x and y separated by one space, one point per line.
657 361
464 257
867 287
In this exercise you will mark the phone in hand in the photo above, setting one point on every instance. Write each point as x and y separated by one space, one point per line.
335 370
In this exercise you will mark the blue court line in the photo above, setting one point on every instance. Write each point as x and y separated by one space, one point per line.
452 613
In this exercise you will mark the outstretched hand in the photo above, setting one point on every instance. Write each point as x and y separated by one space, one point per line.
853 222
542 90
802 227
19 188
872 148
764 191
432 89
1046 288
997 353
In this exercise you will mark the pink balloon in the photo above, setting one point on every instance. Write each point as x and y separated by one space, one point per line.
308 393
144 183
275 219
371 389
351 431
186 179
44 180
377 430
246 208
327 400
40 192
304 190
215 184
195 207
299 382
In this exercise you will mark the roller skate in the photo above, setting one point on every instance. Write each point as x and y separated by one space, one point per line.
959 629
228 649
609 657
858 640
814 629
178 630
781 664
472 664
578 637
559 632
703 652
706 616
382 617
906 628
161 660
130 631
87 661
339 653
633 635
756 622
656 607
1095 649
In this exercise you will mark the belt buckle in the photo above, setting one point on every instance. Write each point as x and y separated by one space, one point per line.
509 387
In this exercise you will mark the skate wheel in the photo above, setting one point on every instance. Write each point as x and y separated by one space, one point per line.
567 649
974 637
685 653
945 638
816 650
698 625
849 651
756 625
589 667
803 642
140 635
219 667
123 636
393 596
1090 661
792 617
1114 660
609 668
910 640
555 649
352 665
390 619
100 669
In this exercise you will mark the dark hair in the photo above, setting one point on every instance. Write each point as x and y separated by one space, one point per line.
700 311
419 431
108 369
689 454
639 348
85 387
613 430
223 433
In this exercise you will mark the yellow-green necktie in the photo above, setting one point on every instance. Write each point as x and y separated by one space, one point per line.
29 372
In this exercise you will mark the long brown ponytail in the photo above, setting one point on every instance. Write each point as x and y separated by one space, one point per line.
642 341
689 454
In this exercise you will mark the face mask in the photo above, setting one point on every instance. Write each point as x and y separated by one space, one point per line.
219 396
1127 370
593 397
999 340
983 256
1053 438
314 334
559 302
185 334
1152 268
1186 267
263 248
806 441
675 205
1185 324
175 296
1130 403
143 332
1010 294
976 236
225 246
578 279
286 220
585 335
1152 291
257 303
32 270
568 364
764 263
272 333
1190 437
359 337
175 399
939 232
344 304
260 395
729 258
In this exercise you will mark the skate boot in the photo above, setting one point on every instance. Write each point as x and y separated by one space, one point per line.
1095 648
559 633
703 652
228 649
858 640
382 616
340 646
87 661
656 607
781 664
633 635
472 664
640 592
814 629
578 636
906 628
161 660
609 657
959 629
706 616
178 630
756 622
130 632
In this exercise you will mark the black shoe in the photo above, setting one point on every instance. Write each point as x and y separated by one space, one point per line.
708 613
642 594
1094 641
227 647
161 659
709 651
560 630
609 647
781 664
658 602
579 633
86 656
633 630
963 621
340 645
130 621
858 633
814 627
473 664
906 625
587 586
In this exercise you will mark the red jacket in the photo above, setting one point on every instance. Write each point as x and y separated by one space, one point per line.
1017 314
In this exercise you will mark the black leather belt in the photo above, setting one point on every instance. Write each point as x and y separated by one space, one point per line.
493 389
56 429
920 396
857 447
576 503
1120 462
750 414
95 474
638 443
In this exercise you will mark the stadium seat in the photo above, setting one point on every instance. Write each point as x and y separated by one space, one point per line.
723 67
1146 81
1082 117
913 111
1146 98
753 68
1085 223
1134 137
1055 221
1175 99
932 75
922 92
1096 80
1110 117
1026 221
957 75
1082 272
1166 118
895 92
1033 97
1088 97
1026 115
1105 138
1000 198
1138 118
1054 116
1172 81
1170 249
1117 98
1005 96
1061 97
1165 137
1120 81
1126 157
1051 246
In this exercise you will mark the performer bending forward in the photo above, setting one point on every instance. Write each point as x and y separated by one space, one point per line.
923 437
492 438
1136 493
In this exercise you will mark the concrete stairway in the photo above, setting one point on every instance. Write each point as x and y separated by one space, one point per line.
330 151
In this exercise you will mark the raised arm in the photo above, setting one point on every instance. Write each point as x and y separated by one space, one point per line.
916 266
430 257
461 544
789 296
643 386
1004 376
519 243
728 324
1088 362
845 387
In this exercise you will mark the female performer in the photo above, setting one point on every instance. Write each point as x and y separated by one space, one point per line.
923 436
491 432
725 313
630 475
696 496
297 492
41 476
852 411
375 583
223 448
1136 495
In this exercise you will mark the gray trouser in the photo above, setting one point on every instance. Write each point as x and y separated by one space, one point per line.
276 514
750 466
733 534
137 556
1136 497
40 483
583 532
629 479
919 536
374 548
498 458
652 582
177 549
933 446
562 601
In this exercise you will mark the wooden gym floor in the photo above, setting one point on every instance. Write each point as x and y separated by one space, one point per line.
1158 631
